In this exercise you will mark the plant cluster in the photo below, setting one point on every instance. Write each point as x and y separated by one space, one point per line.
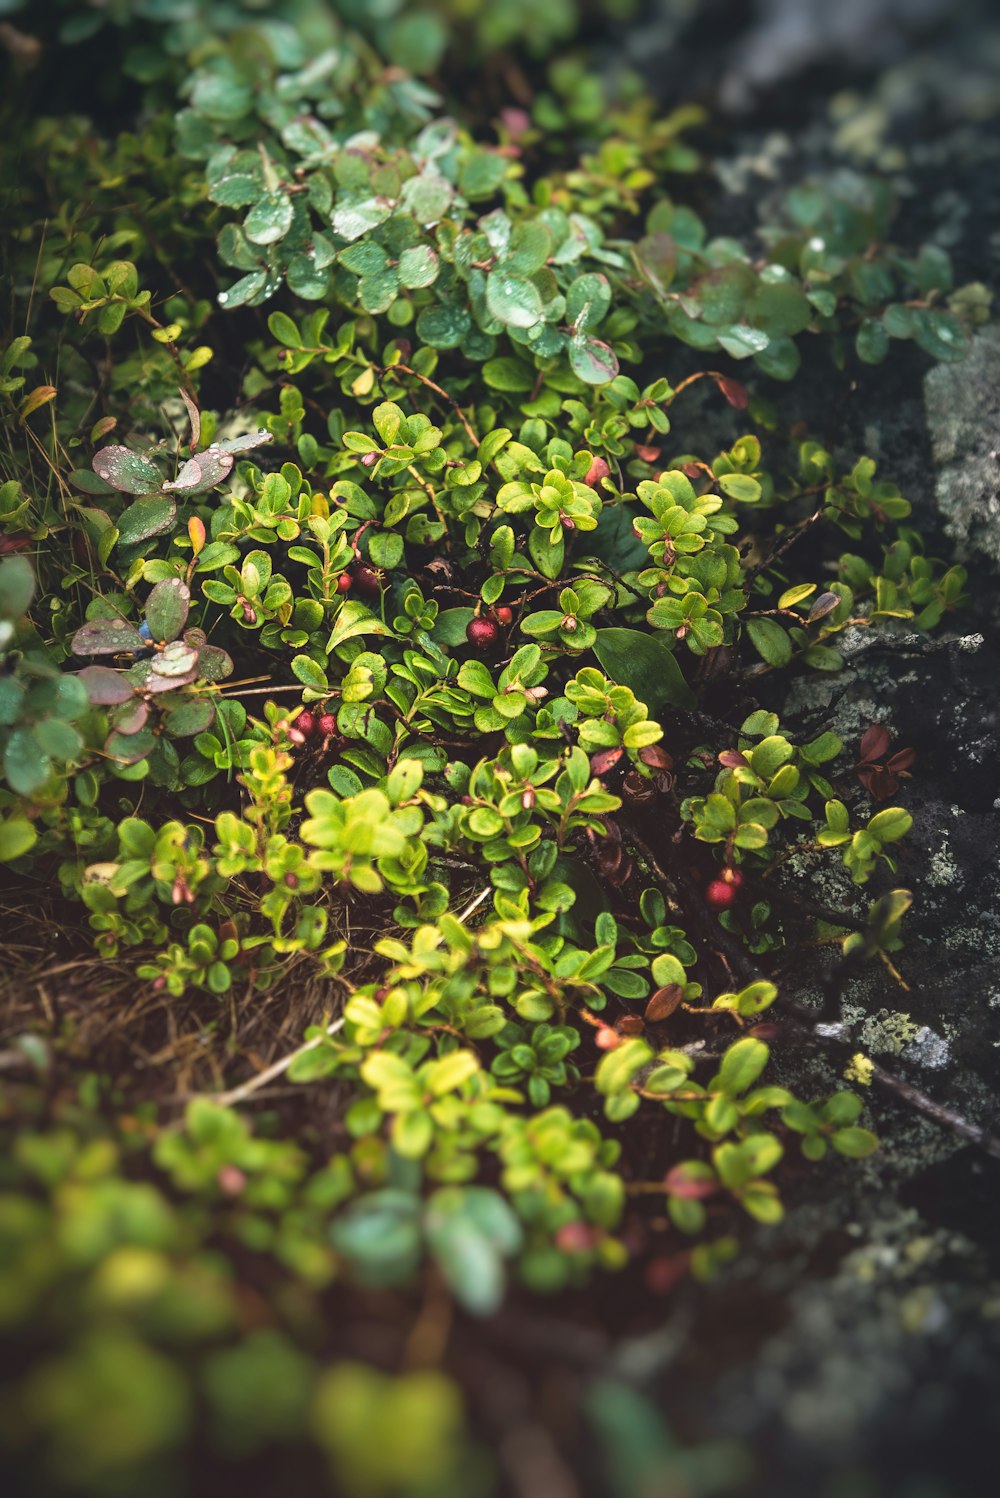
414 594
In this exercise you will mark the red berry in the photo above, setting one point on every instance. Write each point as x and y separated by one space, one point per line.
306 724
344 582
503 614
575 1238
326 723
231 1181
483 634
366 579
719 895
732 877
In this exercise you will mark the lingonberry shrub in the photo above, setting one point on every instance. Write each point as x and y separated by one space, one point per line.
383 442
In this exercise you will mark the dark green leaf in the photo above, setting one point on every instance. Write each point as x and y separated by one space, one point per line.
640 662
127 471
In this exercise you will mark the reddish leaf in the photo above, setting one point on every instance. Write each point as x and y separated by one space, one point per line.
735 393
682 1181
664 1002
656 757
131 716
105 688
874 743
823 605
622 874
879 782
630 1024
604 760
194 417
666 1271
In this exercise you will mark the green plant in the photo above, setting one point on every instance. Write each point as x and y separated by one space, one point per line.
418 634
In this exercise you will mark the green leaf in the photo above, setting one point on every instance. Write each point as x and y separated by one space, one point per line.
587 302
468 1261
639 661
530 245
127 471
107 637
855 1143
781 359
25 766
246 290
58 740
872 341
592 361
770 641
380 1235
739 486
167 609
418 267
740 340
443 326
891 824
780 308
221 97
412 1134
513 300
17 587
353 620
17 836
185 718
284 330
449 1073
509 375
741 1066
145 518
451 625
269 219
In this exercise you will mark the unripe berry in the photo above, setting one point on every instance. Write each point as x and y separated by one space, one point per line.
326 724
719 895
598 470
483 634
607 1039
344 582
732 877
504 615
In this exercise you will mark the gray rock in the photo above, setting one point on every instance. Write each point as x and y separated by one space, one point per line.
963 418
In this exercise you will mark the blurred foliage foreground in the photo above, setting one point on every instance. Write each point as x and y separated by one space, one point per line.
387 676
